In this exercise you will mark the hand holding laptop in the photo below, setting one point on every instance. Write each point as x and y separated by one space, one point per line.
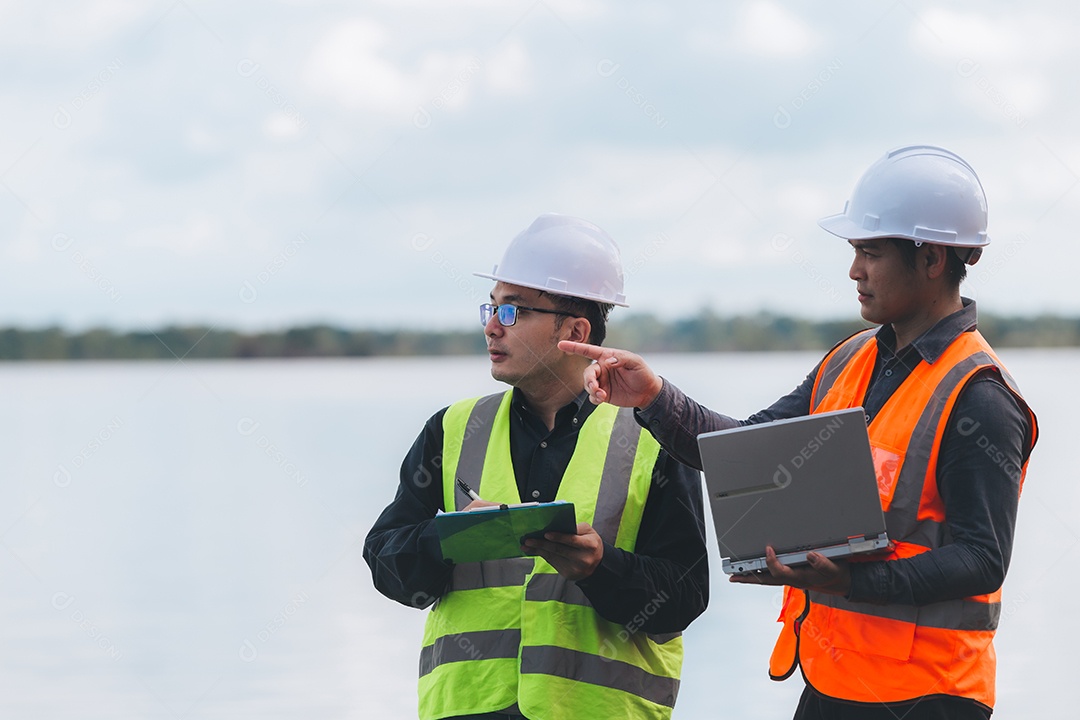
800 486
822 574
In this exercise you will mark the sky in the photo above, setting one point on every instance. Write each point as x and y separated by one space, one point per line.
258 165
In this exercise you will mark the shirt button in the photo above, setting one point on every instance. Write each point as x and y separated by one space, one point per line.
888 373
575 421
867 418
543 444
535 493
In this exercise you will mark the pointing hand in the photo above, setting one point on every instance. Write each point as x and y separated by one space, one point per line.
617 377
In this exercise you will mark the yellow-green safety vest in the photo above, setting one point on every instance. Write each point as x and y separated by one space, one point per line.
514 633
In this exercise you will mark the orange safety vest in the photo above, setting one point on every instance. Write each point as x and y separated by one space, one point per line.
893 653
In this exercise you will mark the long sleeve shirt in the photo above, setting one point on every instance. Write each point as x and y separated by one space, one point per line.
661 587
978 472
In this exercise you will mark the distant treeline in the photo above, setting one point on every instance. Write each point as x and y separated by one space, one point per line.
706 332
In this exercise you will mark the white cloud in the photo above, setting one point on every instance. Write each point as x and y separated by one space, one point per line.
997 66
201 139
946 31
1025 38
1012 98
197 234
768 29
348 65
508 70
71 26
354 65
281 126
453 79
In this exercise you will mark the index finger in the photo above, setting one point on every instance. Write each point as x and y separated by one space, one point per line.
593 352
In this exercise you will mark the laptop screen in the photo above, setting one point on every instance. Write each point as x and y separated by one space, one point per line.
796 484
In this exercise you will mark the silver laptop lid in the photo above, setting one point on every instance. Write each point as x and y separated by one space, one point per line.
796 484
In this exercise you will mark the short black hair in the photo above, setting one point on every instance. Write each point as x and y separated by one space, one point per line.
956 269
595 312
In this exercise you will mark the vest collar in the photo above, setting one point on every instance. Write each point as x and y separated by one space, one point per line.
932 343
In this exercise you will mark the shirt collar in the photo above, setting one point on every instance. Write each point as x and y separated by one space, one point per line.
578 407
932 343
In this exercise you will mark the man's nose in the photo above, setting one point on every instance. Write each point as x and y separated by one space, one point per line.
855 271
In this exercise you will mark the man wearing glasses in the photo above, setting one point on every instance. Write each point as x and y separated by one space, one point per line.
586 625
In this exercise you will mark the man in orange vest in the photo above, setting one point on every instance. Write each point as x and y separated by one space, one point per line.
908 635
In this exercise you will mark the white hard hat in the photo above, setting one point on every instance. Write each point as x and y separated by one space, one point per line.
919 192
564 255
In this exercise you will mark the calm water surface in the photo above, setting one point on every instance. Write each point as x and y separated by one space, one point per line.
184 540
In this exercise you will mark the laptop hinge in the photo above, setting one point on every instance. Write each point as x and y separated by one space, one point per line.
861 543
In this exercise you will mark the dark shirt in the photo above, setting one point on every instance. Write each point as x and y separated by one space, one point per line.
985 444
667 574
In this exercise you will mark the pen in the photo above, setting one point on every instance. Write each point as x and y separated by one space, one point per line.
467 490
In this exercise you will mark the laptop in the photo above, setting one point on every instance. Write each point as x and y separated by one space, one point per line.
800 484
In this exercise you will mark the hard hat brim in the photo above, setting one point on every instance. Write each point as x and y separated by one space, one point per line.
550 290
842 226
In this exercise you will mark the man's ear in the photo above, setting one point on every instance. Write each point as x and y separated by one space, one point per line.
935 260
580 329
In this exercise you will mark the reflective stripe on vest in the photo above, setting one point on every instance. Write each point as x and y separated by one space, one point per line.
909 651
518 629
599 672
834 363
470 646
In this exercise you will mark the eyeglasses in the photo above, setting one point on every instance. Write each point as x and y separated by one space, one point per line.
508 314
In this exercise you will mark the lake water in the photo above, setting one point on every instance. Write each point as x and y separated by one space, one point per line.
183 540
